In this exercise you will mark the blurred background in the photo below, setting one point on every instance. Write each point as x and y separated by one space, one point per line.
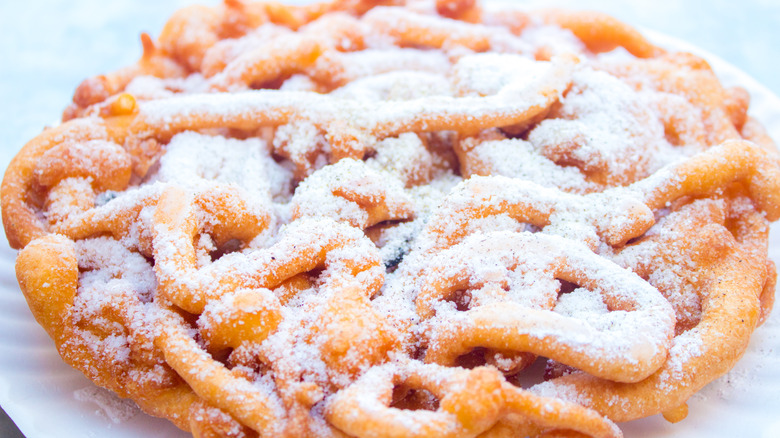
47 48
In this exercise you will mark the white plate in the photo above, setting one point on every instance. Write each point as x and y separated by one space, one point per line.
47 398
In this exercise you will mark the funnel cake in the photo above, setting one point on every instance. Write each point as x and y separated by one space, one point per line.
373 218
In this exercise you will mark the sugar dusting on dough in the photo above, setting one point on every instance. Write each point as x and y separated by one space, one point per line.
559 176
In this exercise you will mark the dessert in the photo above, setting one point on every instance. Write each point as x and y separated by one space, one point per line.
366 219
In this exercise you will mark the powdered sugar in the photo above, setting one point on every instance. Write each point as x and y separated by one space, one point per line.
418 194
109 404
